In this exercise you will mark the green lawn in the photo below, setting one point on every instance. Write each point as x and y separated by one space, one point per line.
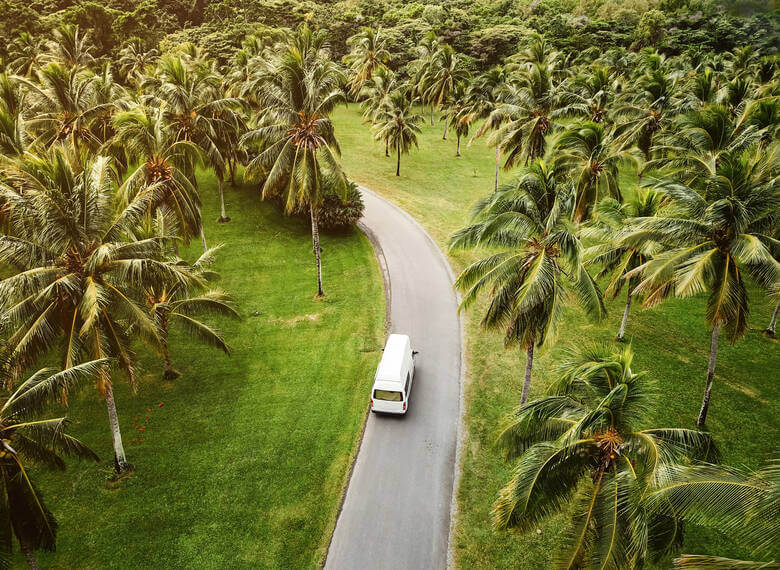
671 342
244 459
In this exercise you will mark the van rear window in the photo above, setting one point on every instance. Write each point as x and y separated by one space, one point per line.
388 396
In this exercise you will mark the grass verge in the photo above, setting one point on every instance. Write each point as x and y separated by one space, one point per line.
671 342
243 459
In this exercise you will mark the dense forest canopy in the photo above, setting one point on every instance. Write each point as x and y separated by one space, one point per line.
486 31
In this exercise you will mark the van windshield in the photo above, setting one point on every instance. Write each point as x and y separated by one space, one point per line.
387 395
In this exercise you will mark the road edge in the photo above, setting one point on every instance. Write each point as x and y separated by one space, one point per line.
382 262
462 428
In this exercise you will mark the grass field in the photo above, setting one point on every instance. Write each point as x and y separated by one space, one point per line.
243 459
671 342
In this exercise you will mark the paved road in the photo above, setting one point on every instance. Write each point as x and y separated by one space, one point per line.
396 514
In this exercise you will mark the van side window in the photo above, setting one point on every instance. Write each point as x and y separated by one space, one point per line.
406 388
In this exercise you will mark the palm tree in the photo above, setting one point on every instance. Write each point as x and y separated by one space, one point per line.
459 118
398 126
485 95
26 53
710 240
63 107
446 77
13 129
28 438
582 449
77 271
135 62
70 47
699 140
591 153
422 68
299 89
174 303
742 505
163 164
527 116
376 96
539 267
593 94
616 259
647 111
367 55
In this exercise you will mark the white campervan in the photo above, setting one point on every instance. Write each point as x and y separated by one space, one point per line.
394 376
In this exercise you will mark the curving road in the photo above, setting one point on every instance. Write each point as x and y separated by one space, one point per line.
396 513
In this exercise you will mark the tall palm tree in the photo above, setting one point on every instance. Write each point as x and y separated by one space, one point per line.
583 449
14 138
376 96
176 303
422 68
593 94
28 437
710 241
616 259
368 53
591 154
164 164
70 46
527 116
63 106
26 53
485 95
299 89
77 271
446 77
459 117
539 266
398 126
742 505
135 61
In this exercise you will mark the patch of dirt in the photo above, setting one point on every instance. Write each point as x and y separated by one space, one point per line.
295 320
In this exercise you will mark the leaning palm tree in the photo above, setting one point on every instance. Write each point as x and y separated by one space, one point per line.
77 271
135 61
742 505
539 266
28 437
616 259
14 138
177 304
299 88
398 126
368 54
376 96
70 46
583 449
591 153
710 241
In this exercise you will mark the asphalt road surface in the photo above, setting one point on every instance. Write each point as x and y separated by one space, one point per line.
396 514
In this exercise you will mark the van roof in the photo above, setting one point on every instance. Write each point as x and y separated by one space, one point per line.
392 365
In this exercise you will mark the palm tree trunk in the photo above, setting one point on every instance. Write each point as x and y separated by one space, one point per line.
223 216
705 403
457 149
203 238
529 363
773 323
315 237
446 127
387 147
431 114
120 459
622 330
29 555
498 160
398 162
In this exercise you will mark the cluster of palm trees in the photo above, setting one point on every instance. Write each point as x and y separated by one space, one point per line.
702 136
99 167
